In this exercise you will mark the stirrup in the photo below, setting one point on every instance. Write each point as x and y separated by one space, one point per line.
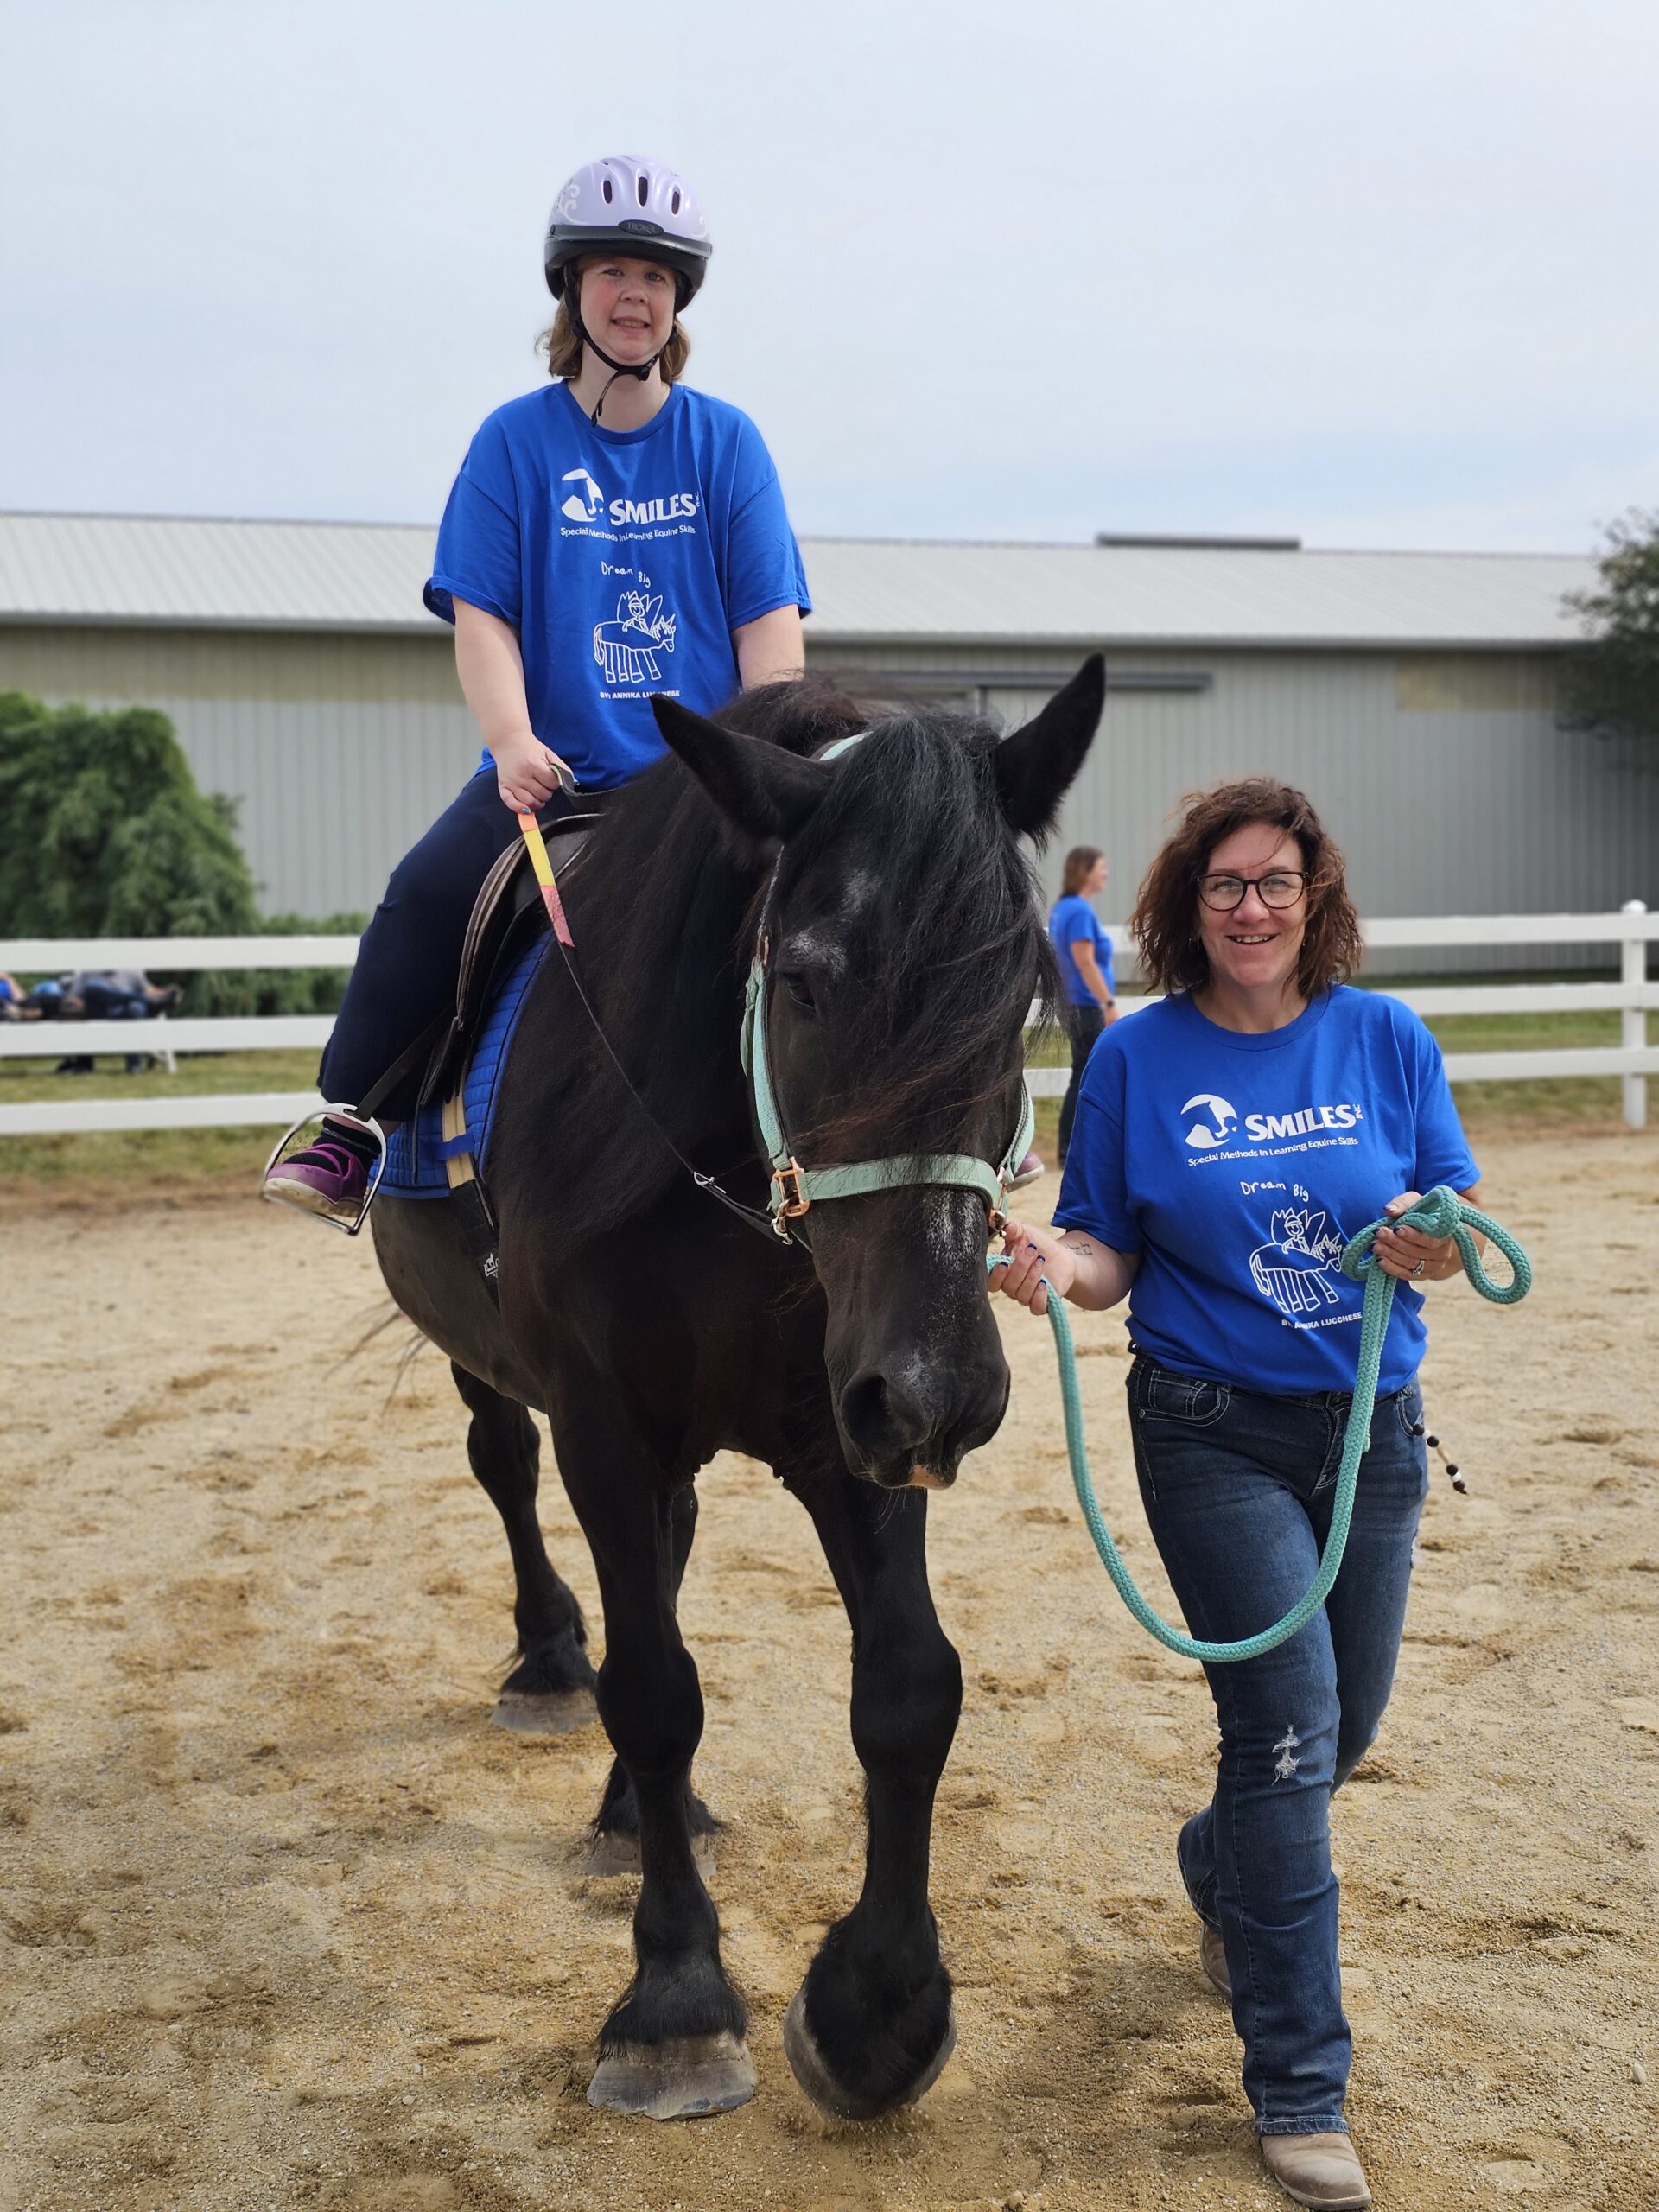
286 1147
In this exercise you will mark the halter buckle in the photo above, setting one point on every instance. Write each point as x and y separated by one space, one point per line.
790 1201
999 1214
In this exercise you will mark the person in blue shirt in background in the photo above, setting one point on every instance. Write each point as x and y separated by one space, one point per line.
1084 950
612 535
1229 1139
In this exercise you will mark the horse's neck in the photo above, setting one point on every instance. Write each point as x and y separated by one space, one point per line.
663 972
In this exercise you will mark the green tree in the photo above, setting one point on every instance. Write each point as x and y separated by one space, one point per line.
1612 684
103 833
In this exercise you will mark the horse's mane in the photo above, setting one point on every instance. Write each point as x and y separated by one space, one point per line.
663 901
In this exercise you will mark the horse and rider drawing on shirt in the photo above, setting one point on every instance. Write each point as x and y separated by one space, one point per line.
1294 1268
627 648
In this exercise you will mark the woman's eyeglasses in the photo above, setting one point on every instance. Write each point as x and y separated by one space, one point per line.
1221 894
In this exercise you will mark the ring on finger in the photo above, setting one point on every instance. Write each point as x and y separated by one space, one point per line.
1418 1269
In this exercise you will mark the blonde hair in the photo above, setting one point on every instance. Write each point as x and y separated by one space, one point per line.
561 342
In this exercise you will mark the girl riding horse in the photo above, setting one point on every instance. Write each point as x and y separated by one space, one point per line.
611 535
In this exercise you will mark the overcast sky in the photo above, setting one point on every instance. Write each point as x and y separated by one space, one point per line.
1370 274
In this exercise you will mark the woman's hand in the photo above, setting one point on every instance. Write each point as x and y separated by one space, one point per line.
527 772
1409 1255
1033 1253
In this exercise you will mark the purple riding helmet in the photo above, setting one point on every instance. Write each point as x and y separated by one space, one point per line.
628 204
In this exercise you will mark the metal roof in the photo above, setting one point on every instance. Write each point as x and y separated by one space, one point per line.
183 572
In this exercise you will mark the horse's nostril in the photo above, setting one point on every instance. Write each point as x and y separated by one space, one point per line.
879 1416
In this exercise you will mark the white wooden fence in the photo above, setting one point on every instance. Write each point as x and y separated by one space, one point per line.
1633 997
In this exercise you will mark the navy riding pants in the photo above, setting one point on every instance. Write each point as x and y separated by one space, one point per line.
408 961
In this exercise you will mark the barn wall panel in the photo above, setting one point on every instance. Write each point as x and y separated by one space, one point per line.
1444 776
339 751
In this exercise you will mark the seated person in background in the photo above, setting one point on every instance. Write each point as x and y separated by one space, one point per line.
120 993
14 1006
114 994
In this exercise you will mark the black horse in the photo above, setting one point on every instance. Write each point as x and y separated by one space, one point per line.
654 1327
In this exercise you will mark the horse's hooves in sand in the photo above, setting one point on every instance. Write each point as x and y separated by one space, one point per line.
617 1852
806 2063
548 1712
688 2079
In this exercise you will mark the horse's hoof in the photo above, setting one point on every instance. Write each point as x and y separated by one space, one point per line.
550 1712
690 2079
615 1852
806 2063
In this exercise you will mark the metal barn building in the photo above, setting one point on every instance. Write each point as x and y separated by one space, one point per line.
1412 694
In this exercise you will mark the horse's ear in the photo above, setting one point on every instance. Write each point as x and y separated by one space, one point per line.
1034 766
760 790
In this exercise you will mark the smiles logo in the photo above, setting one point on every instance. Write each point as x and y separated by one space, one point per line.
582 505
1206 1135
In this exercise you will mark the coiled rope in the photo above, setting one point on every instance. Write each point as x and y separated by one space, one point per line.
1440 1213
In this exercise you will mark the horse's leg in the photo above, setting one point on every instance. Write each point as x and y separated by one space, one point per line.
872 2025
673 2047
551 1688
616 1824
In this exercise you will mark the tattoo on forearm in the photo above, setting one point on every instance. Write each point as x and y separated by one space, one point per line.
1080 1245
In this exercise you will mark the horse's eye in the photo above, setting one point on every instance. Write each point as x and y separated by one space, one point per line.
798 990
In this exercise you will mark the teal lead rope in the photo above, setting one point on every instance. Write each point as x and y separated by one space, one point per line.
1441 1213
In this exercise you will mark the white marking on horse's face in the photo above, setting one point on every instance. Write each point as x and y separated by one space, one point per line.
860 891
815 947
953 1227
822 942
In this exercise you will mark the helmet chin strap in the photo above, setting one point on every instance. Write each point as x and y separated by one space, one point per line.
617 368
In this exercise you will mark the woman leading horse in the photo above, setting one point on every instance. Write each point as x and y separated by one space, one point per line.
1230 1140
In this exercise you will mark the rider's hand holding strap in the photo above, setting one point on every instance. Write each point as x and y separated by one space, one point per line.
527 772
492 670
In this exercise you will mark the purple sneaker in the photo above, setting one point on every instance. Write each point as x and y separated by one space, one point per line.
1030 1170
326 1178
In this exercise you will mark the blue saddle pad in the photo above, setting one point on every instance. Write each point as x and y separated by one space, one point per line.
414 1150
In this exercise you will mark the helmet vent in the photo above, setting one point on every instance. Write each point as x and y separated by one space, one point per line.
674 202
606 188
643 188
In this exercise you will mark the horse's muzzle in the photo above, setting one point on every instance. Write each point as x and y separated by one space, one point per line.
892 1436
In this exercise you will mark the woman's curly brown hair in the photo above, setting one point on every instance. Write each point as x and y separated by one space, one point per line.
1165 922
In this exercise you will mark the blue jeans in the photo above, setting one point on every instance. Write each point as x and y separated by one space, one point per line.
1082 1026
1239 1488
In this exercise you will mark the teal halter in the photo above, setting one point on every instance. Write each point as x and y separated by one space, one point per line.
796 1190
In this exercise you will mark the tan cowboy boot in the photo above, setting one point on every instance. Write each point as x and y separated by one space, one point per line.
1318 2170
1212 1958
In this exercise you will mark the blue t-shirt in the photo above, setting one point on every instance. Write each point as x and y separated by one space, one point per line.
1238 1167
624 559
1073 921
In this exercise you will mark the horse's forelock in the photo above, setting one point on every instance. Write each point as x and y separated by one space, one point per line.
949 953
